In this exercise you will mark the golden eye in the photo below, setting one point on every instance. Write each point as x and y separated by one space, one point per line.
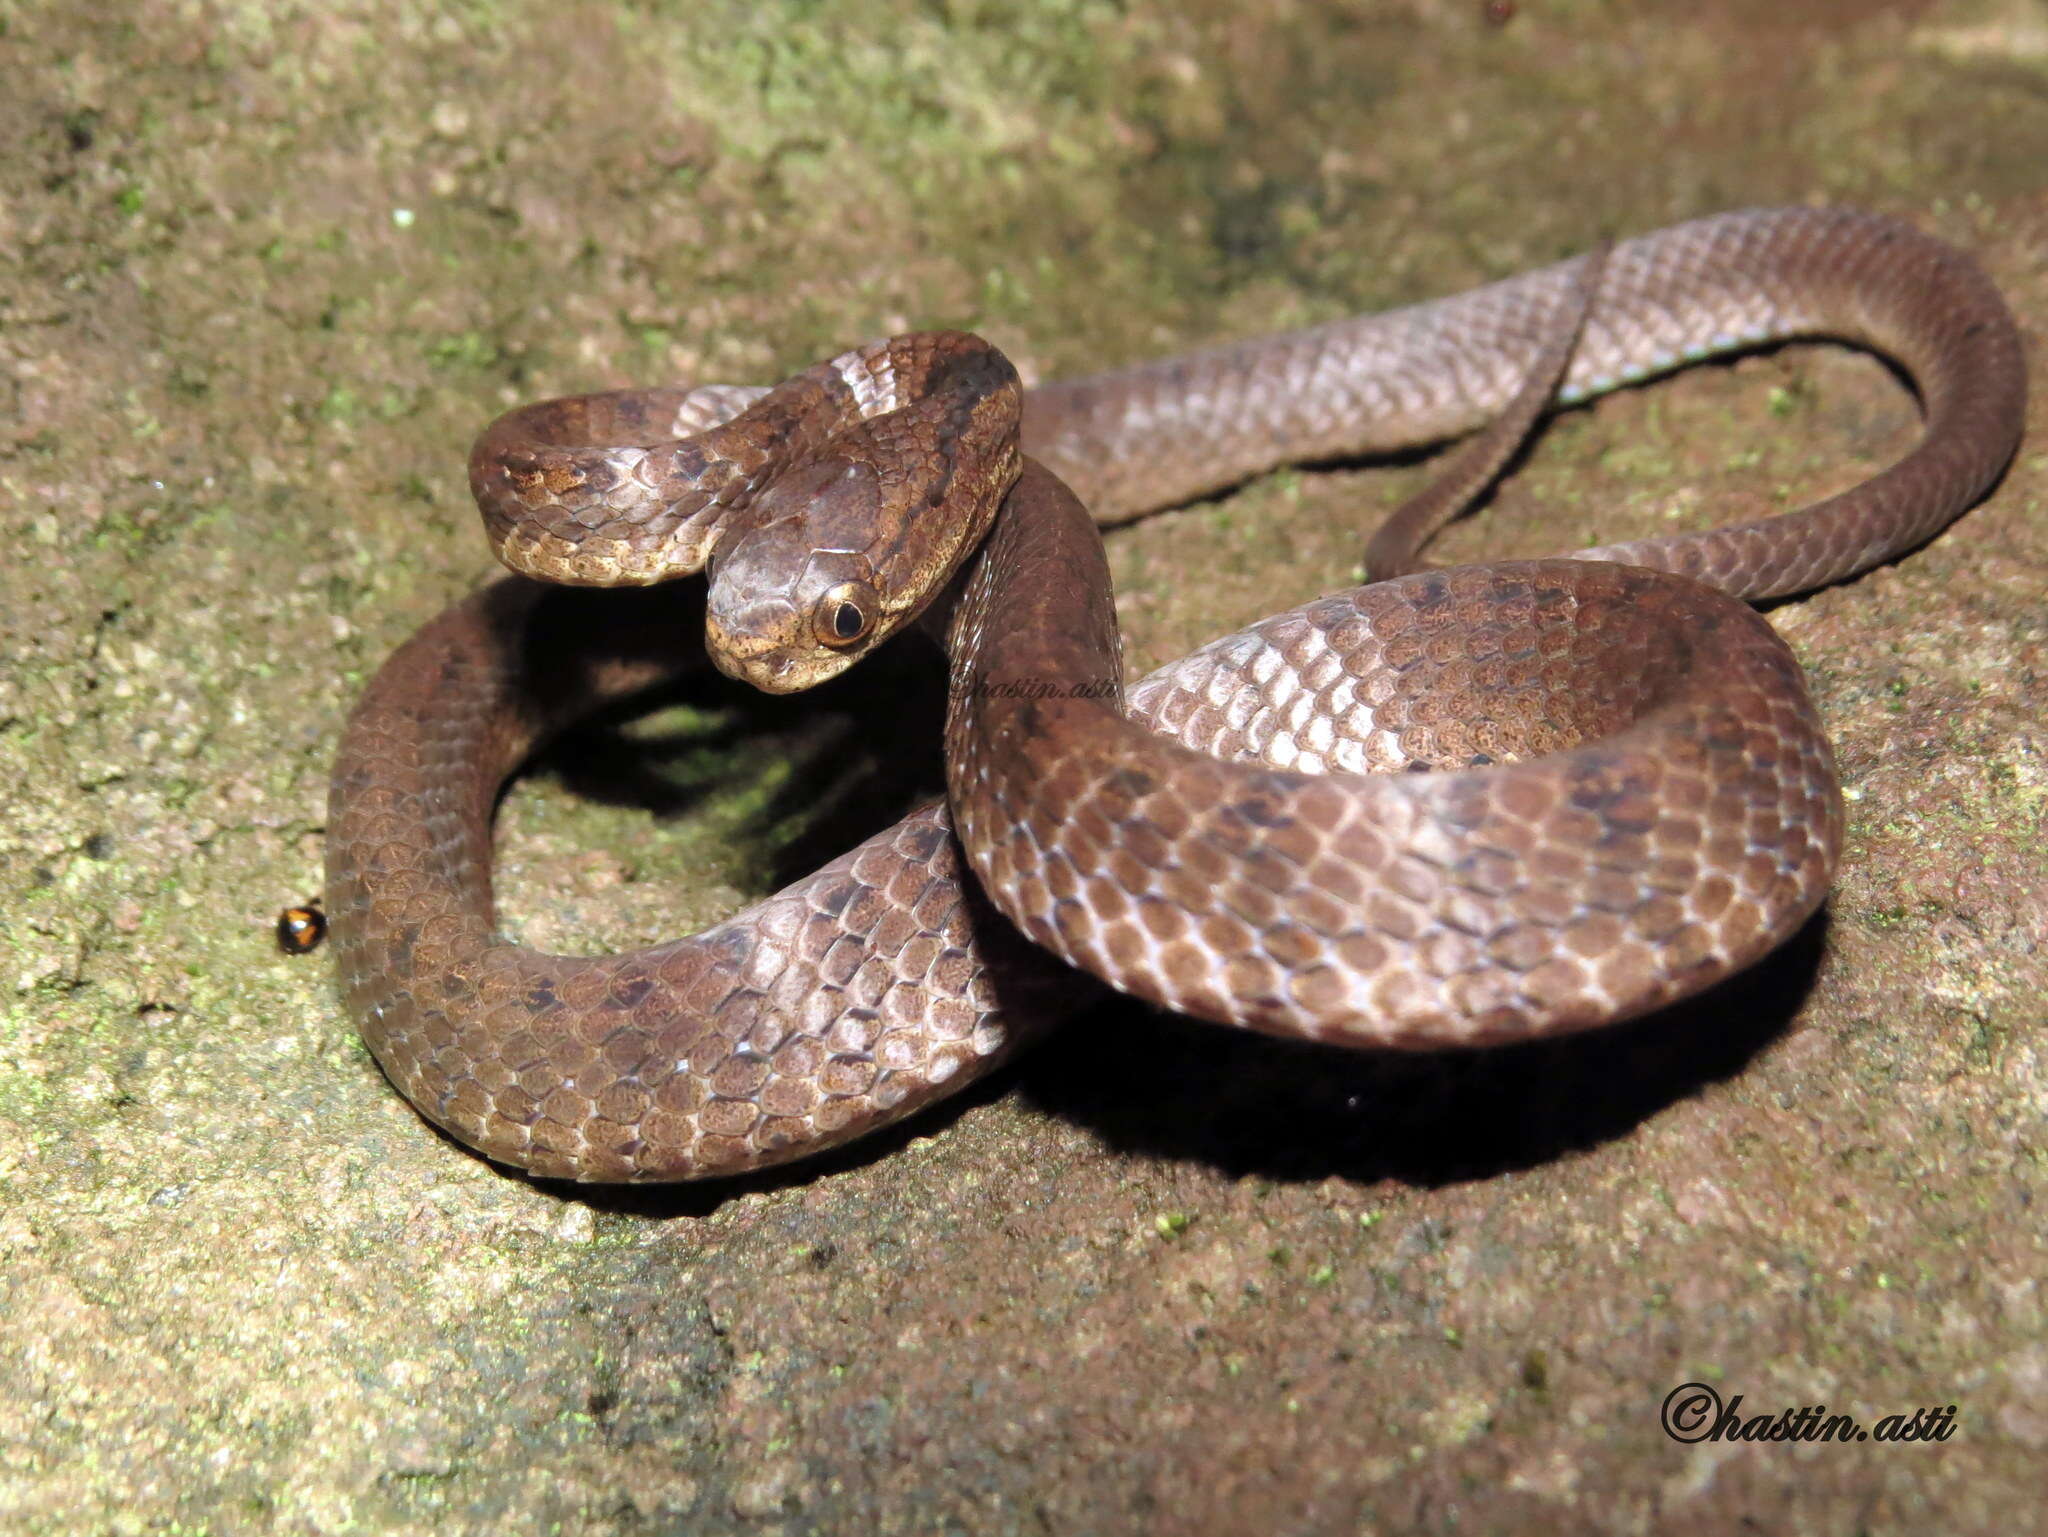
844 614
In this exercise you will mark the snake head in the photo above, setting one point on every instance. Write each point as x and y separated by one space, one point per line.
842 550
795 598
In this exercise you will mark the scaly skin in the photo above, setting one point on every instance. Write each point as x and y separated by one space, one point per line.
1634 796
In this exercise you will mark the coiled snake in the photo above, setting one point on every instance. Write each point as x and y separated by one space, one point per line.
1632 796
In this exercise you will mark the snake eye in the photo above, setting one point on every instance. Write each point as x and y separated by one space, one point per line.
844 614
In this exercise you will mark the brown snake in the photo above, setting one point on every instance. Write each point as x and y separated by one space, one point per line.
1633 798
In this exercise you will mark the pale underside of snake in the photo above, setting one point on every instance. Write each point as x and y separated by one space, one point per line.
1629 795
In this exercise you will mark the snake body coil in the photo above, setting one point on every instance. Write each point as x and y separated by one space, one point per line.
1633 796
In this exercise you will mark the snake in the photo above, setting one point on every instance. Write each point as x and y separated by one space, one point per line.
1457 808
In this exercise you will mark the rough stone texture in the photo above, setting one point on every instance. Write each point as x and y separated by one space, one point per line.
265 270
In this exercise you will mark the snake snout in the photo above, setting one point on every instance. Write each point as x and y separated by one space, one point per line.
769 674
762 644
750 641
